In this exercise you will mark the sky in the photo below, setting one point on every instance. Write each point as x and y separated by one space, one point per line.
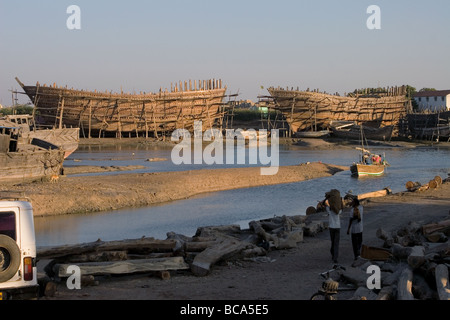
251 45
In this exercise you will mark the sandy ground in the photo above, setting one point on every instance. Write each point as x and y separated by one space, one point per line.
81 194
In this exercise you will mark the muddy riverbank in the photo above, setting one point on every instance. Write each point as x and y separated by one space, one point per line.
83 194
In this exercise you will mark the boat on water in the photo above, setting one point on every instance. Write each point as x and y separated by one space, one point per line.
102 114
364 170
66 138
352 131
20 161
308 110
369 164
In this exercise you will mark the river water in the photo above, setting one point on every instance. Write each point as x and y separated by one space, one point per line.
230 207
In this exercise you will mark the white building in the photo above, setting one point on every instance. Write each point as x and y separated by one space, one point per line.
433 100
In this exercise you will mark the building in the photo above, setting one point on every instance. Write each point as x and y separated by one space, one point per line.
433 101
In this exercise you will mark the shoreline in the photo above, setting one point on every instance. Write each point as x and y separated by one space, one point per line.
303 142
88 194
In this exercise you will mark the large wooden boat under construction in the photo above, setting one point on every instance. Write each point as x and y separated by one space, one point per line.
99 114
313 110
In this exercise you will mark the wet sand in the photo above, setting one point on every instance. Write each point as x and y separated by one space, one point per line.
83 194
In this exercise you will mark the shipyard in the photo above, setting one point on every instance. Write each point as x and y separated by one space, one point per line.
226 157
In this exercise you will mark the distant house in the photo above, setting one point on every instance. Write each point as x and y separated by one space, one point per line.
433 100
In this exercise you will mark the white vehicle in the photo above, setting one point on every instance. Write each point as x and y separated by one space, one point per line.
18 273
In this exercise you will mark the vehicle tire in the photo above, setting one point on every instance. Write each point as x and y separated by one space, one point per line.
9 258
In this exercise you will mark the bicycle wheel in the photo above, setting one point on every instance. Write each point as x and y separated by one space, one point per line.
318 296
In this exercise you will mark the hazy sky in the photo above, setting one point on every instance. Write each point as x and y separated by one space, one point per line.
145 45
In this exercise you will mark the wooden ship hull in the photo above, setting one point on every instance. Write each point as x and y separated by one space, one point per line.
353 132
27 162
364 170
305 110
106 114
31 165
66 138
312 134
429 125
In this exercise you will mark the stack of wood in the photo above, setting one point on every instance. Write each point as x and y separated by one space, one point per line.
414 264
417 186
178 253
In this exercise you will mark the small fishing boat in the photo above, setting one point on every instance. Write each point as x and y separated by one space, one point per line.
360 170
369 164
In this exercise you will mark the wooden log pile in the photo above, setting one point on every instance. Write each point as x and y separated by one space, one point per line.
178 253
434 183
414 266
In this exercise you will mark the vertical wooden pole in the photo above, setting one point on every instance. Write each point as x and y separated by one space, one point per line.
292 118
154 121
61 113
145 118
120 121
90 119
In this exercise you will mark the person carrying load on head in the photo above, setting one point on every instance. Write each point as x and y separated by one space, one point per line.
334 206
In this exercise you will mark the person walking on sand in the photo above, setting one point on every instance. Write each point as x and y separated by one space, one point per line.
356 227
334 205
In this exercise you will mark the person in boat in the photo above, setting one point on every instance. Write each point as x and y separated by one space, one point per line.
355 226
365 158
334 206
376 159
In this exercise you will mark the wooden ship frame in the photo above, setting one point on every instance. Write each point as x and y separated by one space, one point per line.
107 114
314 110
429 126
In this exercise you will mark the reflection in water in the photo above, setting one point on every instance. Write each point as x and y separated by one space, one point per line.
233 206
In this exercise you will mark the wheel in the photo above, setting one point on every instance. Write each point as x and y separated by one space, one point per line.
9 258
318 296
322 296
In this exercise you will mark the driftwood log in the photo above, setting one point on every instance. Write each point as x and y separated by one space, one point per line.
416 268
123 267
134 245
417 186
416 257
404 289
202 263
374 253
375 194
442 226
442 282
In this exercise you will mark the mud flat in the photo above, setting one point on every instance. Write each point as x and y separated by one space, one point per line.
72 195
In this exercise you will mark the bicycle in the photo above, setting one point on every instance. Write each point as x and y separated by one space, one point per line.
329 287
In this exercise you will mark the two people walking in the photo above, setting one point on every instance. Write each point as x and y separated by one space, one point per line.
334 205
